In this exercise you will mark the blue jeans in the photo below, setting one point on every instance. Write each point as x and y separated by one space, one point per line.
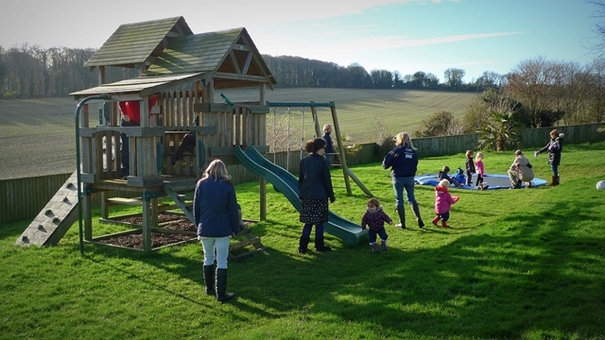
372 235
555 170
400 183
215 248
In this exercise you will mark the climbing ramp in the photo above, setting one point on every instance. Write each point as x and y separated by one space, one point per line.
59 214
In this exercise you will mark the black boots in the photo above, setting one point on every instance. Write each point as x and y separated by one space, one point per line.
209 279
416 211
221 286
401 213
320 246
302 245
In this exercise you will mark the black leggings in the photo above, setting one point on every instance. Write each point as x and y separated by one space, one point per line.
479 180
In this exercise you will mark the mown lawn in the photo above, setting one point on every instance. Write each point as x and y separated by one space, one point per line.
517 264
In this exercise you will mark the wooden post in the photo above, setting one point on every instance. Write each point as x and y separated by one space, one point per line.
341 151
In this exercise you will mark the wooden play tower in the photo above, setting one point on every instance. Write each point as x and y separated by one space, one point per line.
174 94
179 73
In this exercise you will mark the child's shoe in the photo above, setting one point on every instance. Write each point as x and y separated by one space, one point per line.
383 245
374 248
444 224
435 220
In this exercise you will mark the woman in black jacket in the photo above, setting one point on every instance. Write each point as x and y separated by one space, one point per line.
554 148
314 190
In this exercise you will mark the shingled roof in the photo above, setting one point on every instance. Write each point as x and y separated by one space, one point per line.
230 53
172 55
134 44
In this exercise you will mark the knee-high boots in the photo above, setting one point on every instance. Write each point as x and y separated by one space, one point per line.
320 246
302 244
221 286
416 211
555 181
209 279
401 213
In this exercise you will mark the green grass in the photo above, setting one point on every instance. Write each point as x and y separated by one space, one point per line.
38 135
517 264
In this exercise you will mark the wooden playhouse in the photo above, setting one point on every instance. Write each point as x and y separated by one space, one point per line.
179 73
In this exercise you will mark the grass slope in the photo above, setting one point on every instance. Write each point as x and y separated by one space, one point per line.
517 264
39 139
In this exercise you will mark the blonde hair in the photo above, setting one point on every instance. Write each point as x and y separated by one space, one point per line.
444 183
217 170
327 126
469 153
479 156
554 133
403 139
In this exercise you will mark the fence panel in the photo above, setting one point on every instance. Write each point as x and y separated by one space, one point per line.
23 198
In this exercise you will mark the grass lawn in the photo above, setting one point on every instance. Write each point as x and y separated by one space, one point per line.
516 264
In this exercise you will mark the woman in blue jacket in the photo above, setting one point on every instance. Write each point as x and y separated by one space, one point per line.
314 190
403 161
217 219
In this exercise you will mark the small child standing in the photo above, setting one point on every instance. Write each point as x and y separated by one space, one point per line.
470 167
374 218
443 203
480 170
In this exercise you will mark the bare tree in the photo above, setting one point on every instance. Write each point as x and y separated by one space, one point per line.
453 77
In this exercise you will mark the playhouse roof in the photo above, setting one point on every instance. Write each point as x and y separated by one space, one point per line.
231 54
172 55
134 44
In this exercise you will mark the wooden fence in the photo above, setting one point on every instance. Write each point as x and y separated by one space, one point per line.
23 198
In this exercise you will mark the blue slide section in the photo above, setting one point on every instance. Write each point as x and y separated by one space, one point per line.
287 184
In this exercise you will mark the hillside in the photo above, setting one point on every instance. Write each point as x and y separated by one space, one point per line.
38 134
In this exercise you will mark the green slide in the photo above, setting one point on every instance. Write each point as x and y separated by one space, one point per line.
287 184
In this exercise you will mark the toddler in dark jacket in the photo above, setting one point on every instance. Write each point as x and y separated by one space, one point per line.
374 218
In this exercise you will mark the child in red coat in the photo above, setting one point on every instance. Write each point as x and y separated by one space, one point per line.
443 203
374 218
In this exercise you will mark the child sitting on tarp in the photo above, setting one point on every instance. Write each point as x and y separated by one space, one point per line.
459 177
443 174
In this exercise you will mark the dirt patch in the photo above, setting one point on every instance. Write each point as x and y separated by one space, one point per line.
183 229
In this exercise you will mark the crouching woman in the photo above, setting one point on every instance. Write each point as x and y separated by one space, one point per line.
217 219
520 171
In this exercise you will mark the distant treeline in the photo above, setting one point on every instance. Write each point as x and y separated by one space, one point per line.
30 71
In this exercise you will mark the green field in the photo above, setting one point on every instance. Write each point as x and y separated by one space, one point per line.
38 134
516 264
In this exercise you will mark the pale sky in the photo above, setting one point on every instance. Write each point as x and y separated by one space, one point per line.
394 35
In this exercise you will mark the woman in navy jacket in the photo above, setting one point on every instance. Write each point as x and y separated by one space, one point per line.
217 219
314 190
403 161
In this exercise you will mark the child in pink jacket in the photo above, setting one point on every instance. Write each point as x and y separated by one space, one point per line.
443 203
480 170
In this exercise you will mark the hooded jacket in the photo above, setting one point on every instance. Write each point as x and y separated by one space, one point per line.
443 200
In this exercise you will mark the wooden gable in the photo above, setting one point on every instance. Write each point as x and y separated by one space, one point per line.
230 55
132 45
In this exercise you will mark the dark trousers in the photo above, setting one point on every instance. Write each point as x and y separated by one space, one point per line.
319 230
372 235
126 149
188 143
445 216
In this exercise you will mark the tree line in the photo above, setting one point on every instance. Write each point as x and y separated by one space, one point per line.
536 93
31 71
